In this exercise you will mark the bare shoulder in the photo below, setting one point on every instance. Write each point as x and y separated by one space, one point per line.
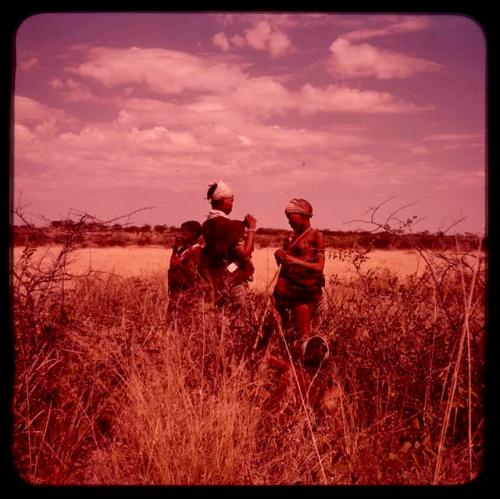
319 238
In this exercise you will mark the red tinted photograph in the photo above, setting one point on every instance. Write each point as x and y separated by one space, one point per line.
249 248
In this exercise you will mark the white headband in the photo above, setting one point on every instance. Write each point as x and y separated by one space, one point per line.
222 191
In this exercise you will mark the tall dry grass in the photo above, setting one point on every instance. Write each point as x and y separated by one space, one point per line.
110 388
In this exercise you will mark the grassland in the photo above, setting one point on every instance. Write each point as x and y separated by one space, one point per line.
110 388
141 261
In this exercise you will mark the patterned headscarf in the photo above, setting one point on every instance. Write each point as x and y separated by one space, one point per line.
301 206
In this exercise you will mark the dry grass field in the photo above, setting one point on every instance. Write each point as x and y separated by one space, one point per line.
112 388
141 261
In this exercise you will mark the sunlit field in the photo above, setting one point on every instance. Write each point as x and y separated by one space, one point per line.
111 388
135 261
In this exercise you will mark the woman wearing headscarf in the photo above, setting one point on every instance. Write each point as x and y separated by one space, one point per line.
228 245
300 281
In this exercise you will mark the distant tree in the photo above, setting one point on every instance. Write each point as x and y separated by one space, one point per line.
95 226
160 228
117 227
68 223
146 228
56 224
382 240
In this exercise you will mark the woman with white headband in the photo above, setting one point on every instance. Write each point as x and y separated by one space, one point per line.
300 281
226 256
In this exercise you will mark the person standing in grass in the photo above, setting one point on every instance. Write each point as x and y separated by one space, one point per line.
298 290
183 274
226 257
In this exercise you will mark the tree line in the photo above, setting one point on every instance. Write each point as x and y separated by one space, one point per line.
93 234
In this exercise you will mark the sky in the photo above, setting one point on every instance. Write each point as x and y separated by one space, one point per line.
122 111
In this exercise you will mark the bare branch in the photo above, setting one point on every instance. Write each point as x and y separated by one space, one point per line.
401 208
86 216
374 210
454 224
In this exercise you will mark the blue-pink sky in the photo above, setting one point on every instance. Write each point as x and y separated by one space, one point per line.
119 111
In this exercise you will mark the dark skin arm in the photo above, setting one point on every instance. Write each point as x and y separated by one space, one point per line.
246 251
174 259
282 257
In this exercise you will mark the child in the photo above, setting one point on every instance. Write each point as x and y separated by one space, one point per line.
183 270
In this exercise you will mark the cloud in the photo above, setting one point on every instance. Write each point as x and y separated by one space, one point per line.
280 20
29 64
453 137
261 95
220 40
56 83
152 141
260 36
222 85
23 134
289 20
166 72
264 37
338 98
28 111
238 41
400 25
454 141
73 91
363 60
78 92
474 177
279 44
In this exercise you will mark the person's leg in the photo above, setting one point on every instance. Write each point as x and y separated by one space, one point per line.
238 296
303 314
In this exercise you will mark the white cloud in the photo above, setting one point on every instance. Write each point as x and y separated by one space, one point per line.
337 98
238 41
29 64
221 85
262 36
446 137
261 95
363 60
56 83
22 135
73 91
78 92
397 25
280 20
279 44
166 72
220 40
258 36
29 111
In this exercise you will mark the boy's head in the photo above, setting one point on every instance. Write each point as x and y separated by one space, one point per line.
190 231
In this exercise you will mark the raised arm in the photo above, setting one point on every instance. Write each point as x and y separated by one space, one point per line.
246 249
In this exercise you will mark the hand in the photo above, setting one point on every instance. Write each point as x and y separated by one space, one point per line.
281 256
250 221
